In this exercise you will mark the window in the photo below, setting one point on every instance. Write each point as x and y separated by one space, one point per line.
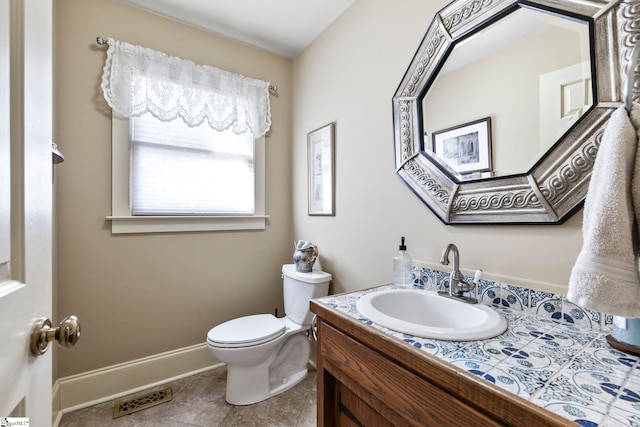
179 170
187 143
168 177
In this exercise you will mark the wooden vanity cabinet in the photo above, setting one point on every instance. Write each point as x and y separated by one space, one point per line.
377 380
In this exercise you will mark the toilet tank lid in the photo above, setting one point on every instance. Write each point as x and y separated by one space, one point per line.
290 271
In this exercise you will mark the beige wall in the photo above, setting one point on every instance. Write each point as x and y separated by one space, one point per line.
349 75
138 295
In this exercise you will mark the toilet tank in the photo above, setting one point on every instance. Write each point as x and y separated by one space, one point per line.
299 288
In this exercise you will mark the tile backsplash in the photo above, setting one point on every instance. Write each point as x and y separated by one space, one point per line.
539 303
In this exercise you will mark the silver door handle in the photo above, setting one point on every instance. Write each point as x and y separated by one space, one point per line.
66 334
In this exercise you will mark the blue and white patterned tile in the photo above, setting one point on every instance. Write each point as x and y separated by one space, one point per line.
526 333
417 343
593 391
440 349
502 347
536 357
566 336
509 314
600 342
475 367
529 357
546 305
536 298
507 299
530 381
489 293
470 351
445 348
516 384
581 317
562 389
587 361
432 281
628 399
346 302
515 297
579 414
634 377
441 280
528 325
615 360
622 420
579 336
598 385
425 278
606 322
481 286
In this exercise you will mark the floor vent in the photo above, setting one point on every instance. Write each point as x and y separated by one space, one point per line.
143 402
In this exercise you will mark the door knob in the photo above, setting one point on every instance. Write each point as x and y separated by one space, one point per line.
66 334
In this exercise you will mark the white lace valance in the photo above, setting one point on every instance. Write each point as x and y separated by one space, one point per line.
137 80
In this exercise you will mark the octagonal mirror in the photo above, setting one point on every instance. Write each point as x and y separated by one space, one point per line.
499 115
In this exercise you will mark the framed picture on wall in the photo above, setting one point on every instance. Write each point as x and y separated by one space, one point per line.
320 174
465 148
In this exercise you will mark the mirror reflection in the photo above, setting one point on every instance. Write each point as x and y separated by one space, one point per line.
507 93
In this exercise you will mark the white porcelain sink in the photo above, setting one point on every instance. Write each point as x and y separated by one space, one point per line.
428 315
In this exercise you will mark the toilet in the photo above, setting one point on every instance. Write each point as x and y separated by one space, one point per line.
266 355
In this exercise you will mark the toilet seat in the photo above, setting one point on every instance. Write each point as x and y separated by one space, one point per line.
246 331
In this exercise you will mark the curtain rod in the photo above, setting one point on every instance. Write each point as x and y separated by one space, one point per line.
103 42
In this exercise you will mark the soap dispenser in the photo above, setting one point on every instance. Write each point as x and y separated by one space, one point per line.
402 277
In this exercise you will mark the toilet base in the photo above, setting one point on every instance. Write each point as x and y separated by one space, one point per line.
284 369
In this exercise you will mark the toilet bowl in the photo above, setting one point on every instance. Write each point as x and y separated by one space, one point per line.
266 355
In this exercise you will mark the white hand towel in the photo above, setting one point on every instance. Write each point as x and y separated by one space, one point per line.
605 276
635 179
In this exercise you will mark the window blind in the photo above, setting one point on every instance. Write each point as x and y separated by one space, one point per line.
180 170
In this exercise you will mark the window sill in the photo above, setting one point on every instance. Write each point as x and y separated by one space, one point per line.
175 224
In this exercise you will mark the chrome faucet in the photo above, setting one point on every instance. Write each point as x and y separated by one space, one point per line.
457 285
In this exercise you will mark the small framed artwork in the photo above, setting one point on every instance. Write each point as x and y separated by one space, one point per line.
465 148
320 174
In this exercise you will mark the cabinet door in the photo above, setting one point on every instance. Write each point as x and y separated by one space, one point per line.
354 412
403 397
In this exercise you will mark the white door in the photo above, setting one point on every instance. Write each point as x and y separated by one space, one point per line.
25 205
565 95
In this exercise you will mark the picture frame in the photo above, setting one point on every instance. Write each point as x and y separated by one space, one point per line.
321 170
465 148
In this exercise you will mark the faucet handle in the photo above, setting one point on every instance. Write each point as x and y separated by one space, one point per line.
468 287
465 286
477 276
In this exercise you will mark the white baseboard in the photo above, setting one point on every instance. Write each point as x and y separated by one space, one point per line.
56 415
102 385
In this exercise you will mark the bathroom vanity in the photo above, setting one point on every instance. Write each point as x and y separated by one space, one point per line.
368 375
374 380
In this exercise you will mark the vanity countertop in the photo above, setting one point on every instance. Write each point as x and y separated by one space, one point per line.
570 371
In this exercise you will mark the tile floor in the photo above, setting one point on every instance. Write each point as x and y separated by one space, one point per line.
198 401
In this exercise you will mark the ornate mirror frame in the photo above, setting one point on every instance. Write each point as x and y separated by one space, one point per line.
556 186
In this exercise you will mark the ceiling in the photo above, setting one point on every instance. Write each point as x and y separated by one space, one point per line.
284 27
